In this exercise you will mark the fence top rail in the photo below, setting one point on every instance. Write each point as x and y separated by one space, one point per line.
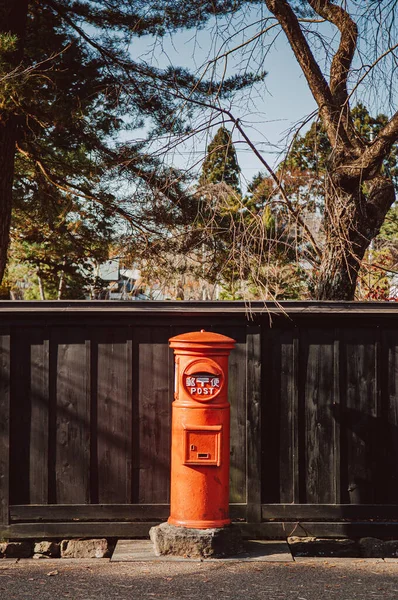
250 309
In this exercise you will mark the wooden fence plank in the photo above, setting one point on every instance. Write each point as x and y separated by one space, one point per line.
77 530
360 415
280 415
20 416
154 413
328 512
39 422
237 396
72 459
276 530
5 357
317 372
283 529
100 512
336 412
253 395
114 409
389 380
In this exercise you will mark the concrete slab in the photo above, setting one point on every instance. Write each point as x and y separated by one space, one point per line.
391 560
256 551
62 562
336 559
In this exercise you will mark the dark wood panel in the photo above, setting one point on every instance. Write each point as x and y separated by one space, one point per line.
39 421
360 416
77 530
101 512
72 452
336 410
318 376
276 530
65 309
154 412
89 512
114 410
253 394
282 530
20 416
237 396
5 356
329 512
389 381
280 416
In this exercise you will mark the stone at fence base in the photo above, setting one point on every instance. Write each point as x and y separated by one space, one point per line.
391 549
195 543
47 549
95 548
15 550
370 547
328 547
376 548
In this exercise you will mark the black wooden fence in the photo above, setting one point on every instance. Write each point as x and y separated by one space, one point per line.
85 404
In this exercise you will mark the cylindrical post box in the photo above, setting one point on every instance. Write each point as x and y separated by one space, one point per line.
200 431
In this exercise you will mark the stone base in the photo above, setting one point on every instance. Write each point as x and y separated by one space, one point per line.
326 547
196 543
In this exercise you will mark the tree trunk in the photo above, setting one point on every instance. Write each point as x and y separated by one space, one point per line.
61 285
352 220
7 152
338 274
41 287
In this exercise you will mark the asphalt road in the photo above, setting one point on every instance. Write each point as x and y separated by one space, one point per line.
101 580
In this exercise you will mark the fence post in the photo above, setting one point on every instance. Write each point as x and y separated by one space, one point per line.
253 424
4 429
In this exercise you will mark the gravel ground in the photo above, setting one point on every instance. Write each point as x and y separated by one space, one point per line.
321 579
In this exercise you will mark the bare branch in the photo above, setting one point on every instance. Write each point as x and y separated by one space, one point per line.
78 191
342 60
371 159
312 72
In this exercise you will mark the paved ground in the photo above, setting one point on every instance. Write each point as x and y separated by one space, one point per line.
309 579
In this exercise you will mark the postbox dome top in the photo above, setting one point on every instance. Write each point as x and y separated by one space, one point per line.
202 338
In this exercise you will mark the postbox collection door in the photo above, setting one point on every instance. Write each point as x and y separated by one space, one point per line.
202 445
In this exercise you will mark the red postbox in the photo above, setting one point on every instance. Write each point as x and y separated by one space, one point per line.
200 431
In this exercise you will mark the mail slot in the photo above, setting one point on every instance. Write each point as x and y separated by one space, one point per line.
200 431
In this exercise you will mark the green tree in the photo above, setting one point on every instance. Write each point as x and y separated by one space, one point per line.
58 240
308 159
304 174
354 62
218 219
70 85
248 246
221 163
275 272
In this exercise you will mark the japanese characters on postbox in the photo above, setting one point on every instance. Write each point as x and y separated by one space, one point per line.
203 380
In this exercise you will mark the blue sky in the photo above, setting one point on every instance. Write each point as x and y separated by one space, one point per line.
272 109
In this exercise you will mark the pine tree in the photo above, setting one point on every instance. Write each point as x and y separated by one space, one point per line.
221 163
69 85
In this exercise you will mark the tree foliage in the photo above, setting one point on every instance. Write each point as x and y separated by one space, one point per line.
248 245
344 50
221 163
71 90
